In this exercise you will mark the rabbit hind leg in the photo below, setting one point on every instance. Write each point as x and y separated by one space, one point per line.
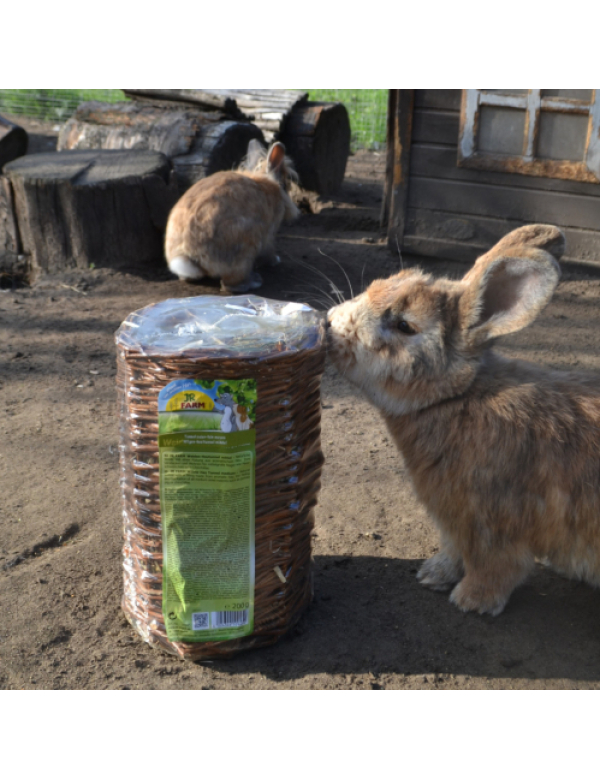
268 257
252 282
243 278
445 568
441 572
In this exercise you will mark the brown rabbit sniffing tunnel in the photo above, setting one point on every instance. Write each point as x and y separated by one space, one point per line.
223 223
504 454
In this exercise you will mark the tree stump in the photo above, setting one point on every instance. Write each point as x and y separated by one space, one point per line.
13 142
317 138
74 208
198 143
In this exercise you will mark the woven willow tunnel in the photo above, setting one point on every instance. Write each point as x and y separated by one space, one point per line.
281 346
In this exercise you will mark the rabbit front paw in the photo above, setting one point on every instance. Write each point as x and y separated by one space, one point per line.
471 595
440 572
488 586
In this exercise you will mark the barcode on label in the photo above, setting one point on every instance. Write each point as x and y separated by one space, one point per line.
200 621
230 619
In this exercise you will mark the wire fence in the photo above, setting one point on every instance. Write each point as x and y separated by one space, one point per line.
52 104
367 108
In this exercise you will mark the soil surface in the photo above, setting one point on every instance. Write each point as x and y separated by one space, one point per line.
371 625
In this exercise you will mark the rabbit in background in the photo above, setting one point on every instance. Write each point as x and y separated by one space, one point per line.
504 454
223 223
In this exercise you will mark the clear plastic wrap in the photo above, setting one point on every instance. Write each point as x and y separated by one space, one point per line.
280 346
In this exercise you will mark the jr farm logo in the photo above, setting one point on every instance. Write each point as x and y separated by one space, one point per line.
192 401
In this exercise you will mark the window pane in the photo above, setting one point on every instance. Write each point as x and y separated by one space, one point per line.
562 136
507 91
577 94
501 130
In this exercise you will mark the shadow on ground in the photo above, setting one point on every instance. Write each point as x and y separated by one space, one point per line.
370 615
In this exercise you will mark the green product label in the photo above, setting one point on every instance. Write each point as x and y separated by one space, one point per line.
207 462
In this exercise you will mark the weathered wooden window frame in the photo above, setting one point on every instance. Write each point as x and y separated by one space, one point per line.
468 157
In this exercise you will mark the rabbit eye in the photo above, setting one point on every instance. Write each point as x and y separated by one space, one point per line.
392 323
405 328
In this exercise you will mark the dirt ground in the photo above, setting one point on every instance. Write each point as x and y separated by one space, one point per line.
371 625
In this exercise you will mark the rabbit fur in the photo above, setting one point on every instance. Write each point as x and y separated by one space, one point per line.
223 223
504 454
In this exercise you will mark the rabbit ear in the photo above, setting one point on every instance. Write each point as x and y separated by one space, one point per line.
505 293
255 154
547 237
276 158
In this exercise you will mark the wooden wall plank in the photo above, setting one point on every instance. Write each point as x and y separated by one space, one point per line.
468 253
444 225
388 184
435 127
441 248
440 99
478 234
399 142
440 162
557 208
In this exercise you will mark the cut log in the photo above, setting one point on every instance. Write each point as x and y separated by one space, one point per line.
13 265
74 208
13 142
133 126
317 138
211 99
198 143
9 235
267 108
218 147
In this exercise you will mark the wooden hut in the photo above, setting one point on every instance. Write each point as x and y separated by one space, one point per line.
464 167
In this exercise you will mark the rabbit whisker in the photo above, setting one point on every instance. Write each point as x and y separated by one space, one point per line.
336 291
399 254
341 267
321 273
362 278
310 289
323 300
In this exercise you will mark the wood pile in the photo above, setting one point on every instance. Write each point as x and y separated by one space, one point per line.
120 168
198 143
203 131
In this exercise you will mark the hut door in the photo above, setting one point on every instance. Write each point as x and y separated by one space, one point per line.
538 132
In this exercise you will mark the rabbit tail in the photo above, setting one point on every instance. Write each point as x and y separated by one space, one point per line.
184 268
